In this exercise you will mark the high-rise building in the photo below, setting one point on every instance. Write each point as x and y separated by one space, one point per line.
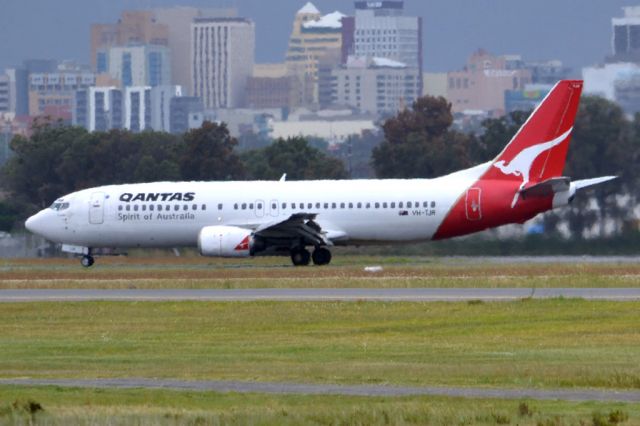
133 27
178 21
373 85
98 108
382 30
53 93
626 36
138 65
137 108
313 37
4 93
18 86
222 60
161 97
187 112
481 85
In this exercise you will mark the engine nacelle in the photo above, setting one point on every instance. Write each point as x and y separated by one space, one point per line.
225 241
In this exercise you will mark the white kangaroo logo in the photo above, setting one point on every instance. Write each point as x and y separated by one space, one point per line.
521 164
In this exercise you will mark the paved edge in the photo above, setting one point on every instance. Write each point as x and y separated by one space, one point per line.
320 294
576 395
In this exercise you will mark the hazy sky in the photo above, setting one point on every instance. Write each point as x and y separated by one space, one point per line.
575 31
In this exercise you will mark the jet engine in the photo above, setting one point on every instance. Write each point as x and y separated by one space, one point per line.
225 241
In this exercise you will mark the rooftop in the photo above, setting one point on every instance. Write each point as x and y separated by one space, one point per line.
309 8
332 20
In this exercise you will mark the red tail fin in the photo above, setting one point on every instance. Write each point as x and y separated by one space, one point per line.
539 150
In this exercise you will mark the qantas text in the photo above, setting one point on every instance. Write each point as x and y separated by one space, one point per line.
158 196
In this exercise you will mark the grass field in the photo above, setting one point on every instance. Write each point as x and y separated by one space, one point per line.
157 407
557 343
348 271
533 343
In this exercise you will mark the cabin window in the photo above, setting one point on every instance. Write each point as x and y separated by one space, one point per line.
425 204
219 206
251 206
408 204
359 205
274 206
185 207
244 206
204 207
302 206
259 206
393 205
317 205
377 205
151 207
119 208
309 206
433 204
368 205
326 205
235 206
176 207
333 205
384 205
350 205
135 208
144 207
400 205
284 206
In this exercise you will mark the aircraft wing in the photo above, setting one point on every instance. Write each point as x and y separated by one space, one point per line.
593 181
300 226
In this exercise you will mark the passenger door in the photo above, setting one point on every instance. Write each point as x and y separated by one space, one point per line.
96 208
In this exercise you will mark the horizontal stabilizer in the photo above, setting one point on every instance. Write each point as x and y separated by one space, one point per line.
547 187
579 184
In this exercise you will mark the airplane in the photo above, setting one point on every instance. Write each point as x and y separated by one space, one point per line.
253 218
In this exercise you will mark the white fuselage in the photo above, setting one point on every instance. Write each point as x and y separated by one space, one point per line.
349 211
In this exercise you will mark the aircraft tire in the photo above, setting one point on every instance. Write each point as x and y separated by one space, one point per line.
300 257
321 256
87 261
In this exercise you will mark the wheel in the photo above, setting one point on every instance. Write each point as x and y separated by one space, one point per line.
300 257
87 261
321 256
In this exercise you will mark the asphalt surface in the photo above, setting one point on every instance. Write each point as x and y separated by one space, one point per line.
321 294
322 389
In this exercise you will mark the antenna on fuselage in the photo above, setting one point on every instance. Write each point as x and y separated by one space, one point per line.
284 177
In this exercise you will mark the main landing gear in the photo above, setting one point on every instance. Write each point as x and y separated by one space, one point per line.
301 256
87 260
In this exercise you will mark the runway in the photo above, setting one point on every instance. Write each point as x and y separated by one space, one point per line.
321 294
328 389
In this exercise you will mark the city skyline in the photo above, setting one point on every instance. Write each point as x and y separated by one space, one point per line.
545 29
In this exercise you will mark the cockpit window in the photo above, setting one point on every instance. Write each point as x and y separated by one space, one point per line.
59 206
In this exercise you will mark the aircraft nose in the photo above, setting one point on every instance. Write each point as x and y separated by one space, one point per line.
36 223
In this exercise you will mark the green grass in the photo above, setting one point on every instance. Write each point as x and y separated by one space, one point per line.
347 272
533 343
150 407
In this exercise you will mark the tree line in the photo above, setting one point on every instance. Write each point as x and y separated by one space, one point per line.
418 142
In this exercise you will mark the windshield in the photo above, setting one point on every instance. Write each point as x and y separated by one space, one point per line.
59 206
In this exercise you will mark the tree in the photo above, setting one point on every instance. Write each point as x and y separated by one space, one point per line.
208 154
496 133
8 216
419 142
296 158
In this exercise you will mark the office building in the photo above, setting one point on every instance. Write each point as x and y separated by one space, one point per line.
4 93
53 93
187 112
161 97
222 59
482 83
98 109
139 65
178 20
377 86
626 36
137 108
313 37
133 28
